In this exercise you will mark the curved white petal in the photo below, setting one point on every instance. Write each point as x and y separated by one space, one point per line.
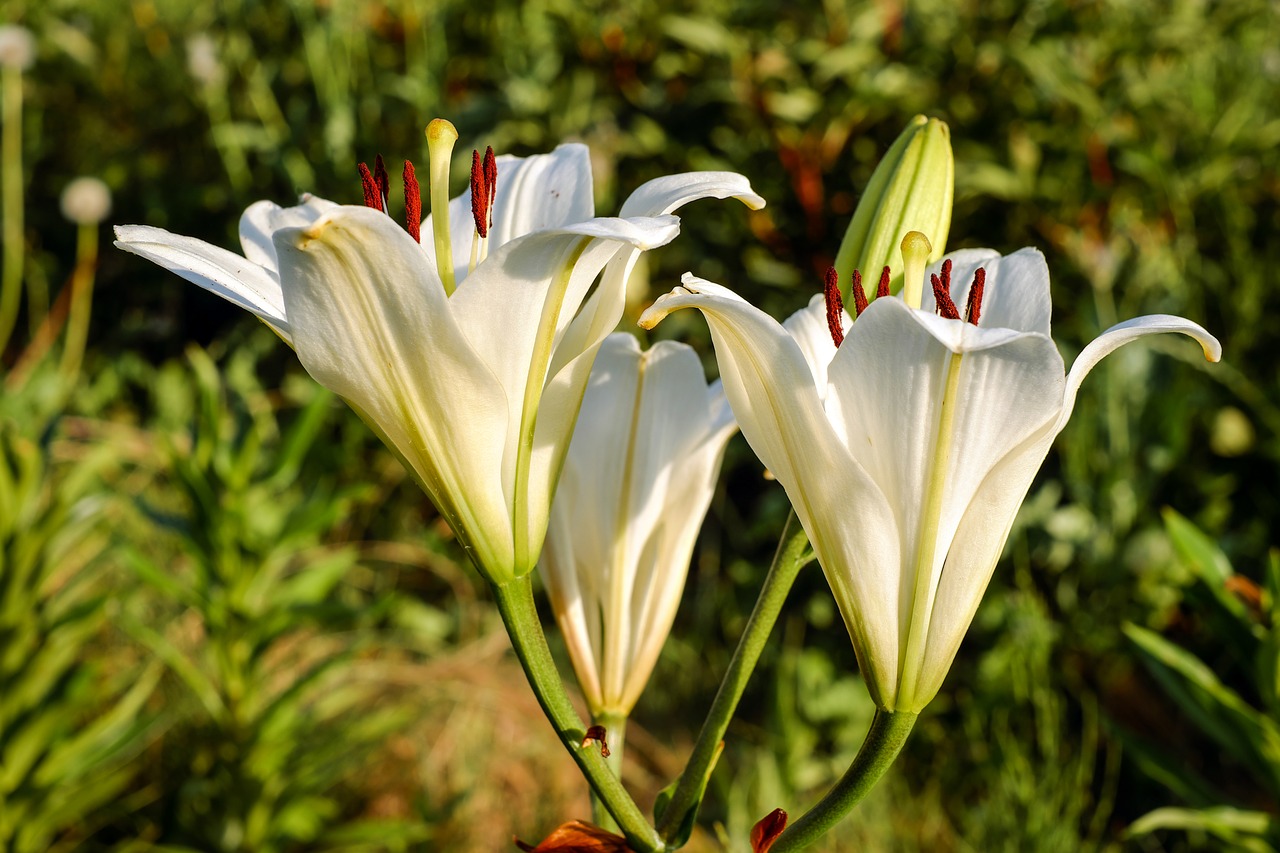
809 328
533 193
636 484
971 560
237 280
1016 295
262 219
889 386
772 391
671 192
1121 334
372 324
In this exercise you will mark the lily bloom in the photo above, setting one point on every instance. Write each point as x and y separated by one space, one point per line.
471 372
907 448
636 485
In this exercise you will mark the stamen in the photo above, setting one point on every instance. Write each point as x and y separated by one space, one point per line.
882 289
412 202
974 309
479 196
835 306
383 181
859 295
441 135
942 297
915 256
370 187
490 179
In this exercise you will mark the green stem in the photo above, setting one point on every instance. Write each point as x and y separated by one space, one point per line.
520 615
615 727
885 739
793 554
81 300
14 243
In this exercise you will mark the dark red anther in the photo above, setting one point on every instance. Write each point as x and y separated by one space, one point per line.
383 182
371 196
883 288
945 306
479 196
859 295
490 179
412 202
974 308
835 306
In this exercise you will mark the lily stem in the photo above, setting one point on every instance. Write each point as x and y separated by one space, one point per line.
885 739
615 727
520 615
11 178
792 555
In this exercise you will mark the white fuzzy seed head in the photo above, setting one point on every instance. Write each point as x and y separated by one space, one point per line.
86 201
202 59
17 47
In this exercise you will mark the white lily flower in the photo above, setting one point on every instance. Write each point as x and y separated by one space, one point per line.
476 389
907 450
636 485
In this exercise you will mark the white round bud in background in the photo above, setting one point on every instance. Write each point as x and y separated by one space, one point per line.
17 47
86 201
202 59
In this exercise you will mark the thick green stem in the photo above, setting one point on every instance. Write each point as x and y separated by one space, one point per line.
885 739
11 170
615 727
520 615
792 555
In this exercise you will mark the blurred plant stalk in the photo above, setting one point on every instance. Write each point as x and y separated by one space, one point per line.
17 56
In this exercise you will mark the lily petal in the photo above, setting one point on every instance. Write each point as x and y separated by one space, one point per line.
773 394
262 219
237 280
372 324
1121 334
1017 288
671 192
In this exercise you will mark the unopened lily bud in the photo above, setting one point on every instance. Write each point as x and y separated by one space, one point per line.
17 47
911 190
86 201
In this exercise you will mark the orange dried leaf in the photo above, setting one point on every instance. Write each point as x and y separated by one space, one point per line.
578 837
764 833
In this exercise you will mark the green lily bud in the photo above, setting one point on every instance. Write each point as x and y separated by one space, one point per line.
911 190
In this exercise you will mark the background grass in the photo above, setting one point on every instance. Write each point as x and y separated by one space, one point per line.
233 624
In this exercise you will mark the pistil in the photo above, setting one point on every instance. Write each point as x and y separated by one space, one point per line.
915 257
441 135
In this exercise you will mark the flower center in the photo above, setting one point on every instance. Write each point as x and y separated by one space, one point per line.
441 135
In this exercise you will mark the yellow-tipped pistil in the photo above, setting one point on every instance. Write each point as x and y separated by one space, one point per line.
915 257
441 135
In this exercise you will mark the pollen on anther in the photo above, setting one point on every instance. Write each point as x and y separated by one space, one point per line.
942 298
383 181
859 295
479 195
370 187
412 202
882 289
490 179
974 309
835 306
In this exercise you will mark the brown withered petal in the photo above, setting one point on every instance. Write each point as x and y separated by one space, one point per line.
578 837
764 833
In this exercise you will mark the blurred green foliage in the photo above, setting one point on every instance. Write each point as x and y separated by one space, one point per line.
262 636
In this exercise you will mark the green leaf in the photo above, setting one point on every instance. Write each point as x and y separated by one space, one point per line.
1246 734
1245 830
